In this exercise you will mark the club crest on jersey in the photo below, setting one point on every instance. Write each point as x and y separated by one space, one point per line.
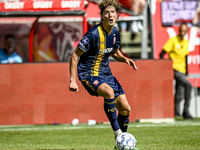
96 82
114 40
85 40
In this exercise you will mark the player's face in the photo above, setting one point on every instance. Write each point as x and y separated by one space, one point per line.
109 16
9 44
183 31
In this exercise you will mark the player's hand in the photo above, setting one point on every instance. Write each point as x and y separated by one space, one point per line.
130 62
73 86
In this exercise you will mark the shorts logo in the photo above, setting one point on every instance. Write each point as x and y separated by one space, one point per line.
85 40
96 82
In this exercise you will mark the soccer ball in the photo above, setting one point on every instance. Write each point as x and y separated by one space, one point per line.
125 141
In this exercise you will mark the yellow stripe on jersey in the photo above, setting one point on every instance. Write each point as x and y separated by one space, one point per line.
97 62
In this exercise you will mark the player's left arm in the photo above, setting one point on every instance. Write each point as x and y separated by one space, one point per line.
117 55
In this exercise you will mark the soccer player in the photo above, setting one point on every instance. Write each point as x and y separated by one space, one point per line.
94 72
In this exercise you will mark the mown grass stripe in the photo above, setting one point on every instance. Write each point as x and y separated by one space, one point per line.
84 126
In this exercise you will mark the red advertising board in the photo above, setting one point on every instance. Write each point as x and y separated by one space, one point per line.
38 5
40 93
161 33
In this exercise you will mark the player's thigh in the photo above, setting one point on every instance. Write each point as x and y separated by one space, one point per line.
105 91
122 105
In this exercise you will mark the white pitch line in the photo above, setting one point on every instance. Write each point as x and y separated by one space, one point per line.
23 128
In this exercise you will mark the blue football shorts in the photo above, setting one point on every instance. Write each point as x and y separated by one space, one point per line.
91 84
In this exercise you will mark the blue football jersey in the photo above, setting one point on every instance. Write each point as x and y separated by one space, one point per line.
97 45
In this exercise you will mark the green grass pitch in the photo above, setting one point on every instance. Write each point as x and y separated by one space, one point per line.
181 135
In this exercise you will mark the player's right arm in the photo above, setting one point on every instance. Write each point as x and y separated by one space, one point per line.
73 86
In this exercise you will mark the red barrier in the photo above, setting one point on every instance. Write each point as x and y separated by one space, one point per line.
39 93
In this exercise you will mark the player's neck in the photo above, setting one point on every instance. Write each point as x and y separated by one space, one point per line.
107 28
180 37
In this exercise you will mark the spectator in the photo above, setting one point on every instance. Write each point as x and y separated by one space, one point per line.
177 47
8 54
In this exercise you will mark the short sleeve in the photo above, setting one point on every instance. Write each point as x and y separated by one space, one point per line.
168 45
117 43
86 42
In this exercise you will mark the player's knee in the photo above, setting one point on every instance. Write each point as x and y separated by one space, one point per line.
128 110
109 93
125 111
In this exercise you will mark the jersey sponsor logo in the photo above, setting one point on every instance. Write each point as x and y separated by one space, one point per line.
107 50
85 40
96 82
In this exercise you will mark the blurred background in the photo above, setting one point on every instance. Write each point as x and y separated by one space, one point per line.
47 32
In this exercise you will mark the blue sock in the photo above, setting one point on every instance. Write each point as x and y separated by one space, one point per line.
110 110
123 122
